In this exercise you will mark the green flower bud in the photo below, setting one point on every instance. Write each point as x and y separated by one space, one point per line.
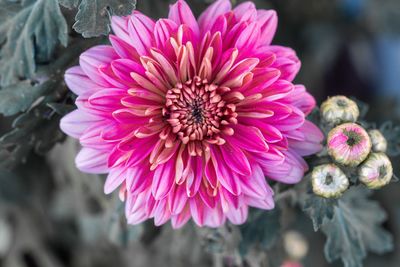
329 181
379 143
339 109
376 171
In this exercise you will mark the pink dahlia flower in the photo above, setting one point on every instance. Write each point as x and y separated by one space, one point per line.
188 116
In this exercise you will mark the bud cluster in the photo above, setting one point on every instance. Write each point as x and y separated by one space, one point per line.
352 149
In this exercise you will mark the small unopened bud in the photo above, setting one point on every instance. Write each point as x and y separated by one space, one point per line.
339 109
379 143
329 181
295 244
349 144
376 171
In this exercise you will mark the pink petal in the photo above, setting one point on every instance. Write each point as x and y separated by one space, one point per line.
193 181
141 30
163 180
114 179
236 159
291 171
210 15
268 21
123 49
181 219
94 58
77 81
92 138
119 26
238 216
255 186
161 213
265 204
138 178
75 123
245 11
312 141
92 161
163 31
198 211
301 99
177 199
226 177
248 138
286 61
181 13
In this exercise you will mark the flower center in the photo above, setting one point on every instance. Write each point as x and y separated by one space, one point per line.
353 138
195 110
328 179
341 103
382 171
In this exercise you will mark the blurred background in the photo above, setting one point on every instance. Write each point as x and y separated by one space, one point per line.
53 215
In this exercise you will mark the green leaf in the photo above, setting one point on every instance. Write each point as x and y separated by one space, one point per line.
69 3
319 209
356 229
30 35
93 17
262 227
20 96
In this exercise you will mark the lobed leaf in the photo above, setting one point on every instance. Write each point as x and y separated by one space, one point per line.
356 229
93 17
29 35
319 209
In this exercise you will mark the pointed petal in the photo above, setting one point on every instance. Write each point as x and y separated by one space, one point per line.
92 161
210 15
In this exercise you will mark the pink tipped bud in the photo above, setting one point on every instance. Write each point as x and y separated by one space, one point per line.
349 144
339 109
329 181
376 171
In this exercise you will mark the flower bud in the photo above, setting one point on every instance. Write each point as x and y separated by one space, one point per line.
376 171
379 143
349 144
329 181
295 244
339 109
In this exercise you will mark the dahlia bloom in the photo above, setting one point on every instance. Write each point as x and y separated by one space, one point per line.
188 117
349 144
329 181
376 171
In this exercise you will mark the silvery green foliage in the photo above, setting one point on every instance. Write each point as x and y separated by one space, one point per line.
355 229
30 30
93 17
319 209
